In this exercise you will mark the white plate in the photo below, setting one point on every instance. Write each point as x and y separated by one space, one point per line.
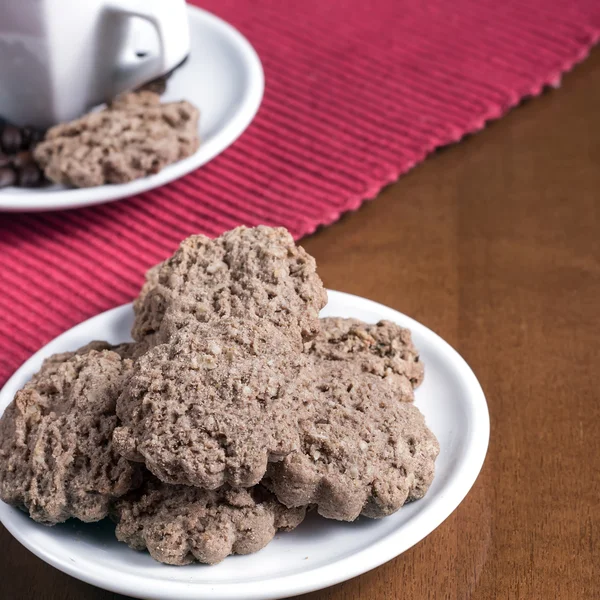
223 77
319 553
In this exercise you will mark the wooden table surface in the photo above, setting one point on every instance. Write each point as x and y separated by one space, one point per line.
494 243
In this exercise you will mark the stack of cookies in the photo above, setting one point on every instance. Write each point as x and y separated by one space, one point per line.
235 410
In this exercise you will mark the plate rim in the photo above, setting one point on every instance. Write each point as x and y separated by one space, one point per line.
343 569
11 202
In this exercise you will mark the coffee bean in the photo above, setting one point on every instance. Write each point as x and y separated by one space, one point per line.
11 139
36 136
30 176
8 176
26 133
31 137
22 158
4 160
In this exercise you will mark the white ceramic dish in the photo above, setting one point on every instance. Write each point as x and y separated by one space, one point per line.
319 553
223 77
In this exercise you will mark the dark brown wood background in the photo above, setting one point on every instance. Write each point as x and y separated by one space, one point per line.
494 243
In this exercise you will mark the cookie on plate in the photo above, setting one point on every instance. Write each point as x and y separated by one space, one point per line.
181 524
249 273
135 136
385 349
214 404
150 282
364 447
56 454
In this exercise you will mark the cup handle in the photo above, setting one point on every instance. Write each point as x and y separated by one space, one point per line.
170 21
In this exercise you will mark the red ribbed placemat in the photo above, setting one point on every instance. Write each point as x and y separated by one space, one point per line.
356 94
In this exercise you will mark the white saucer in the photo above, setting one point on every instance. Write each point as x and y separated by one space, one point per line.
223 77
319 553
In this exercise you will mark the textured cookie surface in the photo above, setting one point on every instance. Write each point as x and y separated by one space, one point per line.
256 273
385 349
181 524
56 454
364 447
134 137
150 282
214 404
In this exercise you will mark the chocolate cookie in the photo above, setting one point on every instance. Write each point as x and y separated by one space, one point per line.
364 448
180 524
256 273
56 453
385 349
150 282
213 405
134 137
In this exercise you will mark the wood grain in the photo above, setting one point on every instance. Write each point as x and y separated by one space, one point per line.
495 244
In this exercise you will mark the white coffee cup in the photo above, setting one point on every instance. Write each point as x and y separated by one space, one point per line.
59 58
